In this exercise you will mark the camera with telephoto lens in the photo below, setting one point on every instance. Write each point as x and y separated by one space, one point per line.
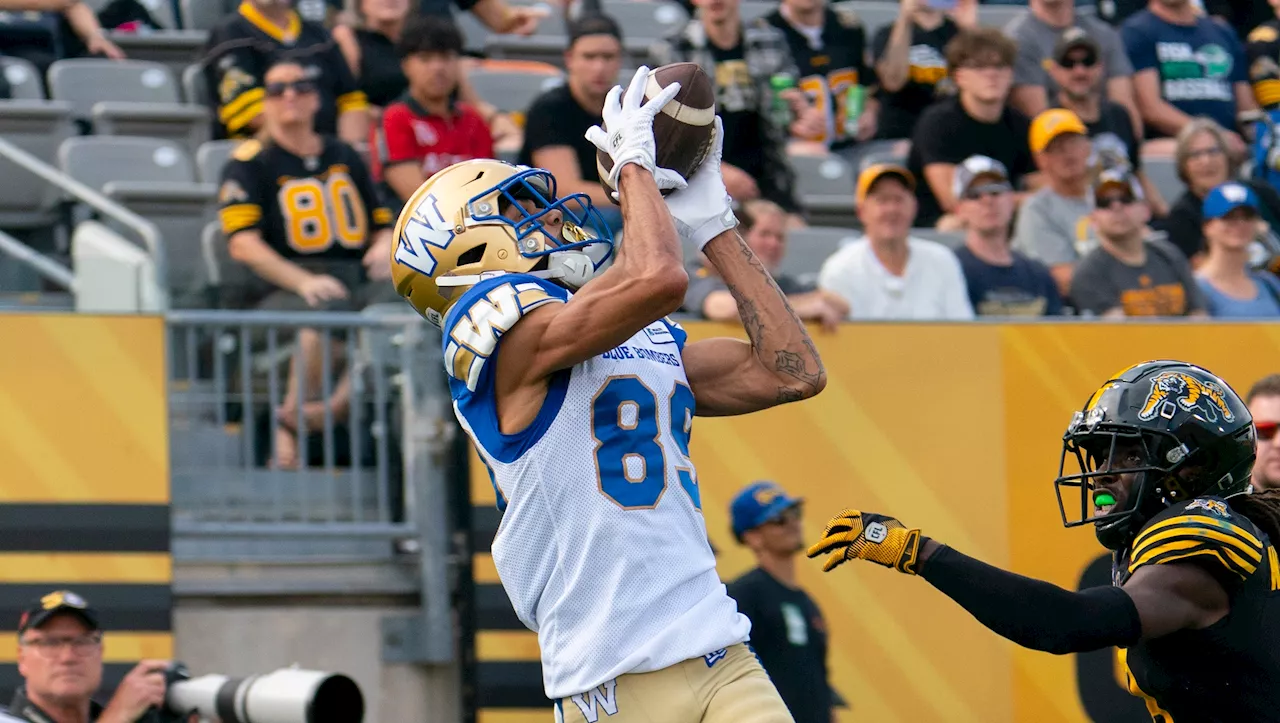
287 695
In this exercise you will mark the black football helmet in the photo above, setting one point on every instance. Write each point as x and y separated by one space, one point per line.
1179 428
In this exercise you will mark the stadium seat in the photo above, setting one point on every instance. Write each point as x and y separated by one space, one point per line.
474 33
950 239
129 98
211 157
174 48
546 44
644 23
157 180
997 16
39 128
752 9
204 14
808 248
194 87
1163 172
511 91
825 186
24 78
883 151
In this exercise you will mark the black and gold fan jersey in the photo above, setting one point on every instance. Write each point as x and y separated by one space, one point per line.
241 49
324 207
1229 671
829 62
1263 50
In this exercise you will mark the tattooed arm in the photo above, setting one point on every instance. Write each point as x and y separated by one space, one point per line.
779 365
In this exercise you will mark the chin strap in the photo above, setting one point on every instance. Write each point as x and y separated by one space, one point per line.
573 268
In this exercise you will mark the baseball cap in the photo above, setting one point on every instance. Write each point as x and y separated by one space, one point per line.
757 504
977 168
58 601
1052 123
1117 176
875 172
1227 197
1071 39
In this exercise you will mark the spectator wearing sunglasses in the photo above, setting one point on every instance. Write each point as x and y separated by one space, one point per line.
1053 224
788 633
1040 32
1076 68
1001 281
1264 405
1131 273
1231 288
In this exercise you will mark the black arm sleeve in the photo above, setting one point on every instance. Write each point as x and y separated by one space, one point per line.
1033 613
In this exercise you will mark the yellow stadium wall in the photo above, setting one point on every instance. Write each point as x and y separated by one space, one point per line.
956 429
84 479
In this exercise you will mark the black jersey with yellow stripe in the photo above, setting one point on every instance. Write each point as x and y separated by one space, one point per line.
242 47
1229 671
1263 50
321 207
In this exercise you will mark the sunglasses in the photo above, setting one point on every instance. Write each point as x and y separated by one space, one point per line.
1086 61
1266 430
791 514
279 88
1111 201
990 190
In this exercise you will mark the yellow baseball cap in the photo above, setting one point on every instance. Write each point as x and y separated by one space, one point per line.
875 172
1052 123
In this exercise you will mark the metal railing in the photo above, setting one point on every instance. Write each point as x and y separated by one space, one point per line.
146 230
248 457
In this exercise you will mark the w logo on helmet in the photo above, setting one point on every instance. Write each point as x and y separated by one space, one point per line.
1173 390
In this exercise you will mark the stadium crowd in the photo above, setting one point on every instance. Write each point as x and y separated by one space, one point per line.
1021 170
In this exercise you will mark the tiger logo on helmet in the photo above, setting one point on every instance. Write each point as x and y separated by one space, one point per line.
480 218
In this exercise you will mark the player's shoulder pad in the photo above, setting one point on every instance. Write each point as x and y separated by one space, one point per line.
1264 33
486 311
1205 529
247 150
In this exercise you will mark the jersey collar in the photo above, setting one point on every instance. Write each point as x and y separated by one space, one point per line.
287 35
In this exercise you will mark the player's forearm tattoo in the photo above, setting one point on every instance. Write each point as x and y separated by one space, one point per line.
777 335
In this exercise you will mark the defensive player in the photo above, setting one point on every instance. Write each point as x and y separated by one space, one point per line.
580 396
1165 451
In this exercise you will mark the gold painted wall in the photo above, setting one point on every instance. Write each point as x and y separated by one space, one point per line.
953 428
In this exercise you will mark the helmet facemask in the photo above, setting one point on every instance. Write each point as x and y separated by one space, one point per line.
524 202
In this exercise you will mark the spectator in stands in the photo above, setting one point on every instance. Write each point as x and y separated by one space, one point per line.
300 210
1243 15
242 47
763 225
426 131
1001 281
1039 33
788 633
1264 405
1131 273
1076 68
556 123
977 121
887 274
742 61
1205 161
829 47
910 64
1053 223
498 16
42 31
1231 288
1186 65
60 661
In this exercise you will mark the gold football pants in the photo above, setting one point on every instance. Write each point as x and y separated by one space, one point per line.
727 686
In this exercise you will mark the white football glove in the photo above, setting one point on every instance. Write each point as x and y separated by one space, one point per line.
704 210
630 135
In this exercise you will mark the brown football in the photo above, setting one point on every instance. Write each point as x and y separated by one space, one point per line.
683 130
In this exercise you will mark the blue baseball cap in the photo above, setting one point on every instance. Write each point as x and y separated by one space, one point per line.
757 504
1226 198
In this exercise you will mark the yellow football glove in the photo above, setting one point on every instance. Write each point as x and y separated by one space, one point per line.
878 538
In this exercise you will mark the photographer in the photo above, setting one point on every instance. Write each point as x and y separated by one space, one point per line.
60 660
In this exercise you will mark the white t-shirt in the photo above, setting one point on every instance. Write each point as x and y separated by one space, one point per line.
932 287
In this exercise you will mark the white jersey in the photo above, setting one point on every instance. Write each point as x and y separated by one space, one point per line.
602 546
